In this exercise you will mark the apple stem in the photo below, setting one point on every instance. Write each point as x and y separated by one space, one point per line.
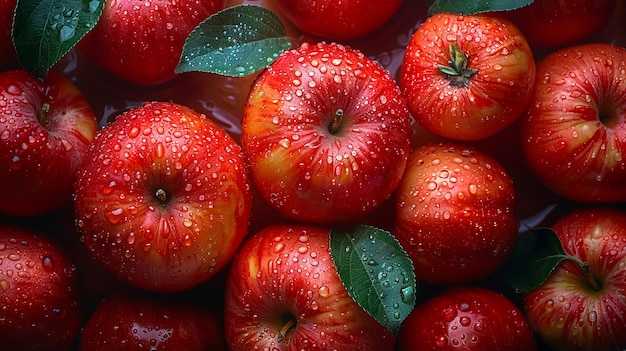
334 127
161 195
43 116
282 334
457 71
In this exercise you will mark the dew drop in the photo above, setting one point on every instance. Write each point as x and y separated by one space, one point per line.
48 263
66 33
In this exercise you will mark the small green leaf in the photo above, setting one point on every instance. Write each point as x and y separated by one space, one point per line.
376 272
466 7
46 30
236 41
537 253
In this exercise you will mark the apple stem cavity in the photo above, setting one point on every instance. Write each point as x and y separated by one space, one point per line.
457 71
336 123
590 278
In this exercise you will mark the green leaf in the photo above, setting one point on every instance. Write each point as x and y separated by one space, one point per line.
537 253
46 30
236 41
466 7
376 272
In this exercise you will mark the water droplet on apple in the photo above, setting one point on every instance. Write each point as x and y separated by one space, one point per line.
441 341
16 163
4 285
278 247
14 90
48 263
114 216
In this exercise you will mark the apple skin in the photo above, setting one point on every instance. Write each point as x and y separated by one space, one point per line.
284 274
455 213
41 150
40 307
134 320
466 318
566 311
326 133
574 133
339 20
8 58
140 42
163 199
550 24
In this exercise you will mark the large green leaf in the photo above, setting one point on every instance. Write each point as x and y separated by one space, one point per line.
537 253
475 6
45 30
376 272
236 41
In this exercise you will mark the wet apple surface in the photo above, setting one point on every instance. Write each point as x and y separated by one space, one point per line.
223 99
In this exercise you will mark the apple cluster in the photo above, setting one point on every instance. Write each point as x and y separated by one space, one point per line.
146 208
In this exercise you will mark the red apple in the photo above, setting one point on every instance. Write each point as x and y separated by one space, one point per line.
39 299
326 133
339 20
8 58
466 318
163 199
141 41
137 321
467 77
45 130
283 293
455 213
574 133
573 310
549 24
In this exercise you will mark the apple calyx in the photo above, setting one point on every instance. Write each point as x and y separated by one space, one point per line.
334 126
457 71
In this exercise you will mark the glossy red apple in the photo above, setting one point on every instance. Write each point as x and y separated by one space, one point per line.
573 310
141 42
45 130
574 133
137 321
466 318
39 299
326 134
467 77
455 213
163 199
283 293
339 20
550 24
